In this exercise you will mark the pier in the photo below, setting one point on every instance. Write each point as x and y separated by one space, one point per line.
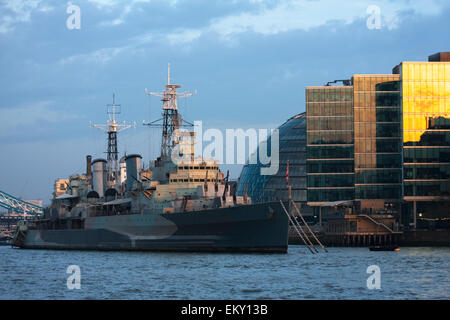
357 239
10 221
362 231
358 231
8 225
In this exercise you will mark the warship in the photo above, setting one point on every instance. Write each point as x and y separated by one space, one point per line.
184 205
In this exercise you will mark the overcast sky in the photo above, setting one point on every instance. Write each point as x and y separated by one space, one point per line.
249 60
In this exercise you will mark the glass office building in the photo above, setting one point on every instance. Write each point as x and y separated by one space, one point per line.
400 147
425 93
292 147
330 144
381 142
378 142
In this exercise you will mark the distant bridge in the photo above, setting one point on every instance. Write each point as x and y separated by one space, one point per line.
19 206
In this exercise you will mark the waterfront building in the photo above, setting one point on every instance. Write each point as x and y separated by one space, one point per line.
362 231
399 142
378 143
292 147
60 187
330 144
354 142
425 94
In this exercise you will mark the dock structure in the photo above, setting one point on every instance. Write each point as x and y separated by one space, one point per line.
362 231
8 222
8 225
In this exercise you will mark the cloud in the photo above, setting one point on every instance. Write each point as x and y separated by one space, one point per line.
233 18
101 4
121 19
114 4
13 12
110 23
31 114
270 18
183 36
291 15
100 56
47 68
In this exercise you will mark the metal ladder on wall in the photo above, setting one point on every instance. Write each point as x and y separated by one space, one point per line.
300 230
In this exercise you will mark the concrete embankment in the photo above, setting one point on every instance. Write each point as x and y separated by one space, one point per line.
418 238
426 238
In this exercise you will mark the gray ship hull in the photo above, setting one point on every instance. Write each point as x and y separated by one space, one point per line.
246 228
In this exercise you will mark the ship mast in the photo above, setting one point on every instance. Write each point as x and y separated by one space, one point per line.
112 128
171 119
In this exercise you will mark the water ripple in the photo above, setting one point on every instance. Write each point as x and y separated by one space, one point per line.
412 273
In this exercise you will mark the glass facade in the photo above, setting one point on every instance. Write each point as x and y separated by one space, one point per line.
378 142
292 147
330 147
426 132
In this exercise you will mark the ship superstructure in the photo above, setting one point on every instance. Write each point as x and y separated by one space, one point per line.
183 205
112 128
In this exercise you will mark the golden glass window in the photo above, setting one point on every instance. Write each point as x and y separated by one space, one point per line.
425 96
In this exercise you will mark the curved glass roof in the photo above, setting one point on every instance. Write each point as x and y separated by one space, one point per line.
292 147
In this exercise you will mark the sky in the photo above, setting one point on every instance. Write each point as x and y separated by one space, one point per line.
248 60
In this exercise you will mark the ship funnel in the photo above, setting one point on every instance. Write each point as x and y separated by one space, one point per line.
89 166
133 167
123 170
99 176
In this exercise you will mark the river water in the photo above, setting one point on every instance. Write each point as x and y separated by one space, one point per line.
411 273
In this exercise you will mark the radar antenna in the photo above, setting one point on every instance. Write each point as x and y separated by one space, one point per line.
171 119
112 127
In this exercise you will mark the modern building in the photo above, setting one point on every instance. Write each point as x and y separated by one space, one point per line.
382 142
330 144
378 142
425 93
292 147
